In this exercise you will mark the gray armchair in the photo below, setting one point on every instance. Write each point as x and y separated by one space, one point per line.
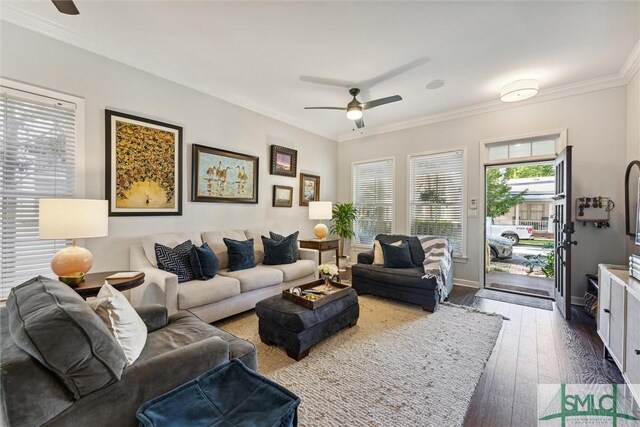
402 284
178 349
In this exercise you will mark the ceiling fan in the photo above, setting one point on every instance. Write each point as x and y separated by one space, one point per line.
355 108
66 6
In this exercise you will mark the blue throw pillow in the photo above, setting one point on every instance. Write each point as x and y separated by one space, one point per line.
175 260
204 262
283 251
276 236
396 256
240 253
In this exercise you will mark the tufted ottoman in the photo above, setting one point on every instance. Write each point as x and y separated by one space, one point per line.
297 328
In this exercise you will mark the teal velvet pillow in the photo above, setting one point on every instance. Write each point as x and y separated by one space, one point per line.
276 236
283 251
241 255
204 262
396 256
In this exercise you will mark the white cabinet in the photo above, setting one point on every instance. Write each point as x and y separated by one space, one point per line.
619 321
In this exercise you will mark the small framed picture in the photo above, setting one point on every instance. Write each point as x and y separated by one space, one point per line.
309 189
284 161
282 196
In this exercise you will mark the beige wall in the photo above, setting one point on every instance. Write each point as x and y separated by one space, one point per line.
596 126
103 83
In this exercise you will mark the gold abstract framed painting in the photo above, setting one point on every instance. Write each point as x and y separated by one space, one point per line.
222 176
143 166
309 189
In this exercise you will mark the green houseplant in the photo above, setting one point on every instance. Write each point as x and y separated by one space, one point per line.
343 215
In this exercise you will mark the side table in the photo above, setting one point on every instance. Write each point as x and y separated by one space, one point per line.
94 281
322 245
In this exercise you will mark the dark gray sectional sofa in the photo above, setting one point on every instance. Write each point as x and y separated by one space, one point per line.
401 284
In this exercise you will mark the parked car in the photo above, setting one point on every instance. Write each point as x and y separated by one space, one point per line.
512 232
500 247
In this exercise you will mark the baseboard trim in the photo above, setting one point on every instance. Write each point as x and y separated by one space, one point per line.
466 283
578 301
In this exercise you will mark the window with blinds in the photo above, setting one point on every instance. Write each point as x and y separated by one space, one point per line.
436 184
38 149
373 197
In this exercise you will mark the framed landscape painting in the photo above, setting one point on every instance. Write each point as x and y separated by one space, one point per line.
143 166
309 189
222 176
284 161
282 196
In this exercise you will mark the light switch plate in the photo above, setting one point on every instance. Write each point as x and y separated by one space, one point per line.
472 213
473 203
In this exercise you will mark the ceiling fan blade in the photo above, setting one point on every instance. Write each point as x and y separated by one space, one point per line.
326 82
368 84
381 101
359 123
66 6
326 108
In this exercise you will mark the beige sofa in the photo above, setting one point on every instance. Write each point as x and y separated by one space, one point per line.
229 292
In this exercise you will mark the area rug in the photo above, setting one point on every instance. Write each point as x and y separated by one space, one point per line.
528 301
399 366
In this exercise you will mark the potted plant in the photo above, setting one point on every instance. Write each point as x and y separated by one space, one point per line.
343 215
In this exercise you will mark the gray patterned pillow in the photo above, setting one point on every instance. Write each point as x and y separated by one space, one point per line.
176 260
276 236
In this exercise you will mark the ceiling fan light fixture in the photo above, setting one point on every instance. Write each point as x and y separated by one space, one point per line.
354 113
519 90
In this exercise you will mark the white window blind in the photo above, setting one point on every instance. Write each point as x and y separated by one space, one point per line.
373 197
38 152
435 196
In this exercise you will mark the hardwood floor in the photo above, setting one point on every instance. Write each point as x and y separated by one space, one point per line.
534 347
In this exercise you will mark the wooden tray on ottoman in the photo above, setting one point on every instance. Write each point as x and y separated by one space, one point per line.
339 290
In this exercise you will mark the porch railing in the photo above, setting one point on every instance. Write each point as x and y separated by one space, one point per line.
538 225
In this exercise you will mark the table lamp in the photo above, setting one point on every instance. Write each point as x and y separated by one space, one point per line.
320 210
72 219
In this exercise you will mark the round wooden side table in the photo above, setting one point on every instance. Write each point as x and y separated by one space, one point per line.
94 281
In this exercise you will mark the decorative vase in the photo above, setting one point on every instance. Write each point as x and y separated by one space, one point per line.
327 282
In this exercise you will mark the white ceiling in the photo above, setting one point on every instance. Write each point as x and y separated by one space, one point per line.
253 54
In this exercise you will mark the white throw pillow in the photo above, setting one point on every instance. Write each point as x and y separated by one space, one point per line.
378 256
122 320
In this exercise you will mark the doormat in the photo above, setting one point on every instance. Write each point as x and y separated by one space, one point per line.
510 298
523 289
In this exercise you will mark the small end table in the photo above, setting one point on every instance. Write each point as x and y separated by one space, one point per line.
322 245
94 281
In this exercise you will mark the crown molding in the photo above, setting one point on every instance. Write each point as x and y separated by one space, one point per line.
22 18
544 95
632 64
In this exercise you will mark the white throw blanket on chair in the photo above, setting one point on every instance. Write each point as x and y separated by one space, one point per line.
437 261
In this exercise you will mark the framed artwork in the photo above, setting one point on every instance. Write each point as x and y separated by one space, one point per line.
309 189
282 196
222 176
284 161
143 166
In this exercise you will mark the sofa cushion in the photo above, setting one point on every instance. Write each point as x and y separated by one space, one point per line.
204 262
297 270
294 236
378 255
401 277
215 241
185 328
396 256
167 239
280 251
200 292
175 260
255 278
240 254
417 253
41 312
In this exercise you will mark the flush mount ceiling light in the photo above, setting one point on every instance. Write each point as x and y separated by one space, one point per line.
519 90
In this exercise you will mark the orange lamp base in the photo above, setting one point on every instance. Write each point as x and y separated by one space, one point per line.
72 260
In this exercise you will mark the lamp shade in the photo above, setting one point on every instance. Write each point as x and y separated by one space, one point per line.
73 218
320 210
519 90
